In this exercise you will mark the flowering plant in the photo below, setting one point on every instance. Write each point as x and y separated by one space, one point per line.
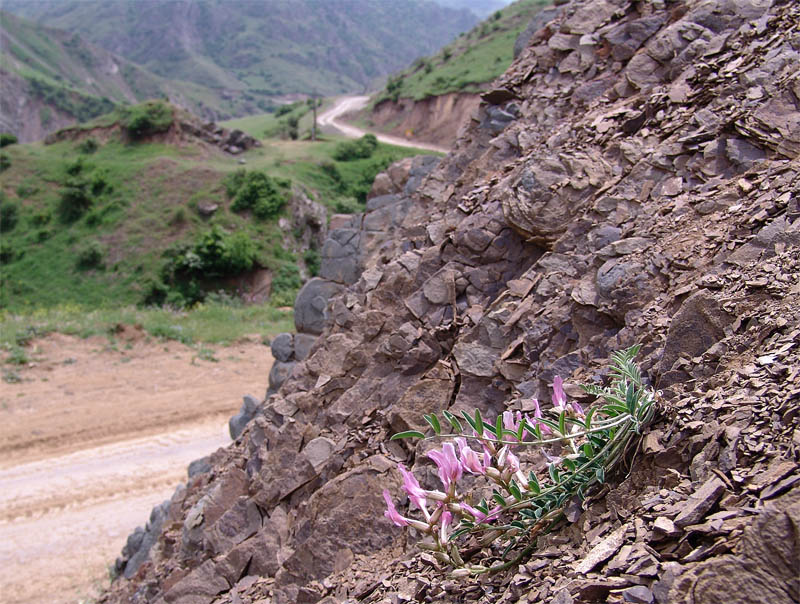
521 505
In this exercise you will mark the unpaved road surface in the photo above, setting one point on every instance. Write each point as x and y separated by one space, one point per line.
92 438
332 119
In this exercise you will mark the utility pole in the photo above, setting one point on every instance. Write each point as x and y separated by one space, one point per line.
314 125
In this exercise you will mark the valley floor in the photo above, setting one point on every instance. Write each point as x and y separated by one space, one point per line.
73 488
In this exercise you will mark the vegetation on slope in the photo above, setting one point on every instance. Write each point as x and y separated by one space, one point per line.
107 225
467 63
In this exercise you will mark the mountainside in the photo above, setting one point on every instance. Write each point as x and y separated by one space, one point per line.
431 99
633 178
52 78
261 49
482 8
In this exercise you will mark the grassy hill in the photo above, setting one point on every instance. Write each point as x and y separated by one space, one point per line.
259 50
111 219
467 63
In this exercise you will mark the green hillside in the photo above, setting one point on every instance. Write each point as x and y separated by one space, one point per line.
262 49
118 218
467 63
60 78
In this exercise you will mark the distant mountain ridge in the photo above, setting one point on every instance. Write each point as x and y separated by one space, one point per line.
259 49
53 78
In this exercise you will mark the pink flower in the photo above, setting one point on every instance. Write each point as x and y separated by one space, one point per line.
391 513
507 460
480 516
447 463
577 409
559 398
511 421
444 525
411 486
469 458
537 414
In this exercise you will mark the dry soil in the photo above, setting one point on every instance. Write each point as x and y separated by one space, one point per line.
94 436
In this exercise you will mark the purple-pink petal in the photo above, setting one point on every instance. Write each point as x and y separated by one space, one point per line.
412 488
391 512
559 398
447 463
469 458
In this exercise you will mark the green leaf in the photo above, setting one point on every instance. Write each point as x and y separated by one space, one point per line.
589 415
551 469
630 399
514 490
562 422
470 421
408 434
518 525
569 464
600 474
453 422
478 422
549 423
533 483
498 427
499 499
588 449
434 422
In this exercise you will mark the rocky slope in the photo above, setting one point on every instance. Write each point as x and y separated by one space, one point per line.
633 177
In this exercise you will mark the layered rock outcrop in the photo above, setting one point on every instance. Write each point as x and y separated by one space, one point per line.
645 188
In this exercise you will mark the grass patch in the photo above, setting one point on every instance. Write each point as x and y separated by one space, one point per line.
211 323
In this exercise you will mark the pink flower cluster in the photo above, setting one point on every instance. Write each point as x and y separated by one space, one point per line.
498 463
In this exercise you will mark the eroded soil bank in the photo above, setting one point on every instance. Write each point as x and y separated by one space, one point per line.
96 434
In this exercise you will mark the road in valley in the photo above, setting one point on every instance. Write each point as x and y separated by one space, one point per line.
332 118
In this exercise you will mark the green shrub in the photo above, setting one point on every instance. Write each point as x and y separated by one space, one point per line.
90 257
362 148
40 218
26 190
347 205
7 252
146 119
74 199
87 147
217 254
233 182
9 215
313 261
6 139
261 194
5 162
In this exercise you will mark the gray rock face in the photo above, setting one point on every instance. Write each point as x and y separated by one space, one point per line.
302 345
137 547
283 347
279 373
311 303
247 411
341 256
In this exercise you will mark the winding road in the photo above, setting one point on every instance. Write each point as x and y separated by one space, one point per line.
331 119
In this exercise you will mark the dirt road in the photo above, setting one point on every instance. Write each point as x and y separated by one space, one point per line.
92 438
347 104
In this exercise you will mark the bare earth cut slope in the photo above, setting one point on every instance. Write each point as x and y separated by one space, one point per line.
632 178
